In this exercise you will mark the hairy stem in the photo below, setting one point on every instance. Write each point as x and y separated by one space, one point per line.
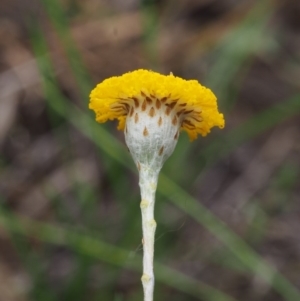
148 183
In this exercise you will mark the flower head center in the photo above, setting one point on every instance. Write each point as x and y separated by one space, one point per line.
190 104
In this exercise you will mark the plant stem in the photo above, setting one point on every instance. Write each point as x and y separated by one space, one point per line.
148 184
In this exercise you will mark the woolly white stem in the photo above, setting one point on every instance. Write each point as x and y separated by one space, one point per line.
151 133
148 183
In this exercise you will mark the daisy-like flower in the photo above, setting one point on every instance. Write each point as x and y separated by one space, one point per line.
152 109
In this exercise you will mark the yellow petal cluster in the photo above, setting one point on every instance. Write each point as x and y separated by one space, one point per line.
197 98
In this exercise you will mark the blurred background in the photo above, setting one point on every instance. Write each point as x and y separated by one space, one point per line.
227 205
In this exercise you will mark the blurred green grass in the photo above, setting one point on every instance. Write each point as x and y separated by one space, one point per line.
91 240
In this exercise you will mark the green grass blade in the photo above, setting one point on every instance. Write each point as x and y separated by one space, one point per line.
238 247
90 246
59 20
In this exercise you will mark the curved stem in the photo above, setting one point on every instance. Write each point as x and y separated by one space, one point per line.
148 184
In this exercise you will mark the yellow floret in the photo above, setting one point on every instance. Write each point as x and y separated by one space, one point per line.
113 90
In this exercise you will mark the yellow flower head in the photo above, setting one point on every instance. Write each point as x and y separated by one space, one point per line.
191 105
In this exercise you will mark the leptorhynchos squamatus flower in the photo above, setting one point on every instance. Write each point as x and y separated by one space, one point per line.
153 109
